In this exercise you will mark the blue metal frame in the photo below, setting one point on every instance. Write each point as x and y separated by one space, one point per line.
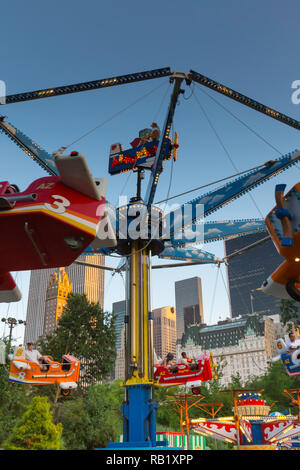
215 231
139 424
189 253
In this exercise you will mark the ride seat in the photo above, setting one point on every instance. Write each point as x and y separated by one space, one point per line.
46 363
47 359
66 364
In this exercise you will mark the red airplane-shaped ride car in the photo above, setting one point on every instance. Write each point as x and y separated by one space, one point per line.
182 374
51 223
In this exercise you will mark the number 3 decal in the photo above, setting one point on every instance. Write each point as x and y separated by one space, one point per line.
60 204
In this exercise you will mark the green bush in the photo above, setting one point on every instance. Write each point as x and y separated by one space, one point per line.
35 430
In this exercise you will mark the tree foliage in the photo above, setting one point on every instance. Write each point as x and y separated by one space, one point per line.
167 414
88 333
13 401
91 422
35 430
289 312
274 383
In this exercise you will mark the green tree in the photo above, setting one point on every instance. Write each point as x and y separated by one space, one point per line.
104 411
274 382
91 422
236 381
289 312
13 401
35 430
168 417
76 424
87 332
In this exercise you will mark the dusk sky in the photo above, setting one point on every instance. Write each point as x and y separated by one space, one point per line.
250 46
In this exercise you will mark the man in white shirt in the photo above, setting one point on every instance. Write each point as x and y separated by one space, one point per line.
33 355
293 343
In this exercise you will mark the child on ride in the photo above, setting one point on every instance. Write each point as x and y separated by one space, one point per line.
184 359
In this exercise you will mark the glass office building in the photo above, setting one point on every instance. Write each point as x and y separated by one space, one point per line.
247 271
119 310
189 304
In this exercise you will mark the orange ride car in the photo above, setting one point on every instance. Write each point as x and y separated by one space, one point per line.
49 372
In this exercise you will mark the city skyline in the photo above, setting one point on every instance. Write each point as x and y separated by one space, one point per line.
80 281
164 334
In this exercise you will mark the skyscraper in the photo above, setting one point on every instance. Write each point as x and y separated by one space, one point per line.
119 310
36 304
88 280
189 304
58 289
246 273
164 331
84 279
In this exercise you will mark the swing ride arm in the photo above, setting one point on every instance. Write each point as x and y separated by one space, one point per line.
85 86
216 230
221 196
189 254
182 248
243 99
212 200
37 153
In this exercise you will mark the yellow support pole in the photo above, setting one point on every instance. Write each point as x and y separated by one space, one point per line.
140 370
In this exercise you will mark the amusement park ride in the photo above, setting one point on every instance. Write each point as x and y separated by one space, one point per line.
283 224
186 374
53 220
252 427
65 374
290 360
69 212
